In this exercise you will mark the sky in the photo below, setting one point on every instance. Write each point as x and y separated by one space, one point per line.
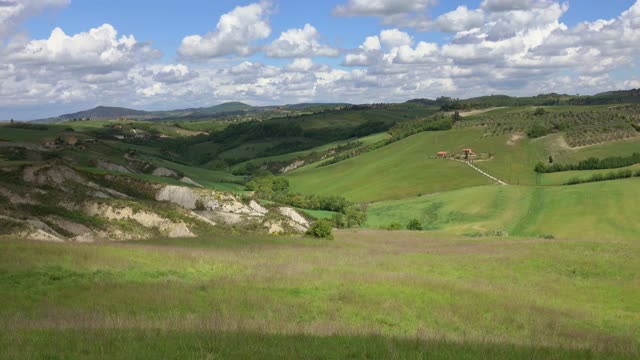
61 56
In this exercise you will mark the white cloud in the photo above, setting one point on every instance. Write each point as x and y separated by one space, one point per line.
394 38
460 19
300 65
370 52
371 43
358 59
13 12
399 13
234 34
381 7
299 43
506 5
424 52
98 48
174 74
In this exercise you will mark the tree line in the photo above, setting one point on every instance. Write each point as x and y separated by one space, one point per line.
591 163
276 189
622 174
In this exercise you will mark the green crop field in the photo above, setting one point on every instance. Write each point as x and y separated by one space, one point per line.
594 211
386 294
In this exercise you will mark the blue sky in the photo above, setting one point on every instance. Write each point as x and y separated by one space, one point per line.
420 48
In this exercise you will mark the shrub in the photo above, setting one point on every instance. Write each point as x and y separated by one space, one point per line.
394 226
414 224
537 130
540 111
321 229
10 226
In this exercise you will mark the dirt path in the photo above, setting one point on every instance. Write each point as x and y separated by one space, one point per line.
475 112
483 173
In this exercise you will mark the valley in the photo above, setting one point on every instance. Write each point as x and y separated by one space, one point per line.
328 232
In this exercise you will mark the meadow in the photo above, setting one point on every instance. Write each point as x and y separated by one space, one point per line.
366 294
592 211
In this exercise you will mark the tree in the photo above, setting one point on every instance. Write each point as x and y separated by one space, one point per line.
550 159
456 116
321 229
280 184
414 224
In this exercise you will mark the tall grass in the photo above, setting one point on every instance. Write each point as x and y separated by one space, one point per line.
366 294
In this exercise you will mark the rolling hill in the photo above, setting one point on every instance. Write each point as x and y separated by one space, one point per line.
402 169
199 210
594 211
105 112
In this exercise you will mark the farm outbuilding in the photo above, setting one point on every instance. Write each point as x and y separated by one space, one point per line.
468 153
442 154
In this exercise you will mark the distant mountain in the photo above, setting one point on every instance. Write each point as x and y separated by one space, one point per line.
112 112
314 105
105 112
225 107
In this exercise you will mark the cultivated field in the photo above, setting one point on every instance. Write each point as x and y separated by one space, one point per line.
366 294
595 211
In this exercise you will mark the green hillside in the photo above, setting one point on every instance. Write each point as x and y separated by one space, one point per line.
406 168
367 140
399 170
225 107
238 260
588 211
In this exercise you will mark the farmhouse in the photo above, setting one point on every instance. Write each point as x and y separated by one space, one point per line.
468 153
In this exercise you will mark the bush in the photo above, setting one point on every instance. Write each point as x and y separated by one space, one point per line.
9 226
540 111
321 229
394 226
537 130
414 224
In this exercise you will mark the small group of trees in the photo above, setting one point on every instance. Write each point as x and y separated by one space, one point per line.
413 225
590 164
276 189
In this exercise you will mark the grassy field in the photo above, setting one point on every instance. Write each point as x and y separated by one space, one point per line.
594 211
399 170
32 135
367 294
514 161
561 178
